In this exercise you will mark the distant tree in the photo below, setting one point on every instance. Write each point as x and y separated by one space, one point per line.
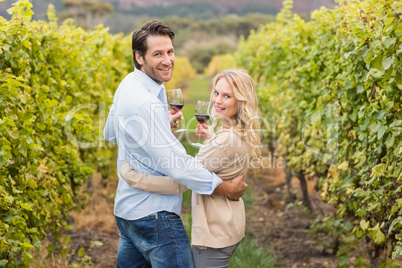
87 12
201 54
200 40
199 10
219 63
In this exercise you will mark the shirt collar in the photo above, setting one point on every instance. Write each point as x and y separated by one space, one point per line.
148 82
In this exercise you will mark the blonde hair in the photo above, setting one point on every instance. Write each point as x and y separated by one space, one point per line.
246 124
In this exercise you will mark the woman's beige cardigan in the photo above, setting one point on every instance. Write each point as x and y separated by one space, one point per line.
217 222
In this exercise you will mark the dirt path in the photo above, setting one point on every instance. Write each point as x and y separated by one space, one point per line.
284 228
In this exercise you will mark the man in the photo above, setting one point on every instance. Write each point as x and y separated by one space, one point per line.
151 231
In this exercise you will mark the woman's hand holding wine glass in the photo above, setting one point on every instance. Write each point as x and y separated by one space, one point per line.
203 131
202 114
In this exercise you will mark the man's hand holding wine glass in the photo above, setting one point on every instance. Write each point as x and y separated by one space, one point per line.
176 103
174 116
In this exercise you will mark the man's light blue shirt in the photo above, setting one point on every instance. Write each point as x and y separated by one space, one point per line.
139 122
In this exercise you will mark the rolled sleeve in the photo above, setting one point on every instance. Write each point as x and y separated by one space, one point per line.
215 183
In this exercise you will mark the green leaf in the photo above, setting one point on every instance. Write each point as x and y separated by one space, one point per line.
81 252
396 123
387 62
397 251
3 263
316 117
31 182
25 245
343 260
381 132
97 243
5 47
359 233
344 166
26 206
341 210
361 213
379 169
375 127
364 224
390 141
38 147
389 42
50 103
37 243
397 221
377 74
398 31
376 234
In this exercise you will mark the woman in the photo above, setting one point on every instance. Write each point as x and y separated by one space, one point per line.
218 224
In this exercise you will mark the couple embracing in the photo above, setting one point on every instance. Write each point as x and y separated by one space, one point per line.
148 198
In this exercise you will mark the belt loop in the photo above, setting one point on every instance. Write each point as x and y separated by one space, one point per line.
156 215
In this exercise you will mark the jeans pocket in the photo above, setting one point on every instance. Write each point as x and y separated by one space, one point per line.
145 231
176 226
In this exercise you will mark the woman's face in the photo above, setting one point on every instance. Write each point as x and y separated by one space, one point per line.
225 104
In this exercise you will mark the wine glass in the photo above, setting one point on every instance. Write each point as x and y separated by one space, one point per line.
202 111
176 102
202 114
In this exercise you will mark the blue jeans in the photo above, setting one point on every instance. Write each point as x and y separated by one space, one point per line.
157 240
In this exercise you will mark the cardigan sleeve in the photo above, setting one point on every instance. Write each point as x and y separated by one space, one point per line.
150 183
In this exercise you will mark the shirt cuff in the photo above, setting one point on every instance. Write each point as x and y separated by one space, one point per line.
216 181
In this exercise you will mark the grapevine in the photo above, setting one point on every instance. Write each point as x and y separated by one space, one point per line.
332 86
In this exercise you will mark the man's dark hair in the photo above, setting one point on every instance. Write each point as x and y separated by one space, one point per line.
139 39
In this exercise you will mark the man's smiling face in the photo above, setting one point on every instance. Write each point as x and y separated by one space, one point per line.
158 61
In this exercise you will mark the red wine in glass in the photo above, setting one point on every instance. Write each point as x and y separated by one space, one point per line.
202 118
202 112
176 106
